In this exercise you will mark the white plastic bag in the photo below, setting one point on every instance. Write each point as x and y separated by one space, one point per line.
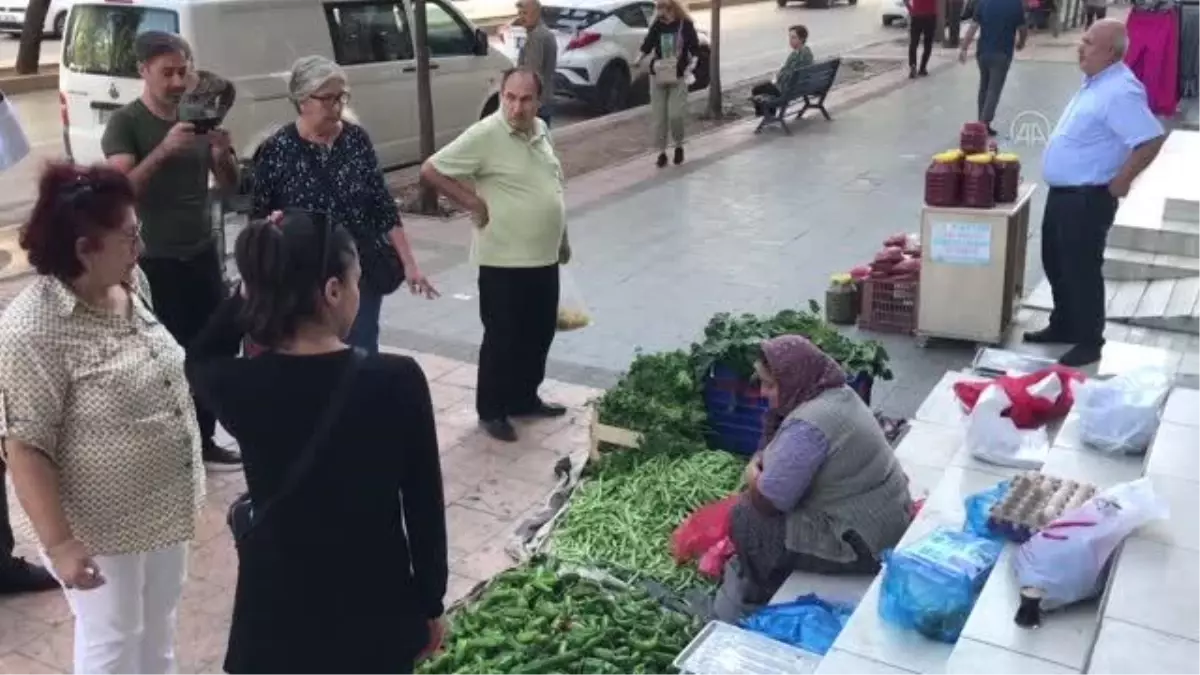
14 145
1065 560
995 439
572 312
1120 415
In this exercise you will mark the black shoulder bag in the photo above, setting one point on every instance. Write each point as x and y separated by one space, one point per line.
243 516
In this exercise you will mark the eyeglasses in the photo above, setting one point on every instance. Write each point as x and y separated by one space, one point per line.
330 99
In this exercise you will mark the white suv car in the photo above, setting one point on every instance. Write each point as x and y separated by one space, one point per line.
12 16
598 41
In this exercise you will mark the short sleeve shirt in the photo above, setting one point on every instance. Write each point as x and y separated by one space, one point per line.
998 22
104 397
521 181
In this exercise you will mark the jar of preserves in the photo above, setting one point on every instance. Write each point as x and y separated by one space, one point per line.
993 147
979 182
1007 167
943 179
974 138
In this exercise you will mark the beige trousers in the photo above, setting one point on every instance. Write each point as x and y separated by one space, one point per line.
668 107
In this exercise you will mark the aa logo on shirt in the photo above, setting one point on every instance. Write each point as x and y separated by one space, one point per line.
1030 127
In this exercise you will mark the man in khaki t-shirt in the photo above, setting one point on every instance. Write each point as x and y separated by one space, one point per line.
520 240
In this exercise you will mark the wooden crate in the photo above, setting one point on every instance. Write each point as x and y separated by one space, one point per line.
603 433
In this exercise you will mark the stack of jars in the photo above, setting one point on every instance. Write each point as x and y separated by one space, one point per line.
943 179
974 138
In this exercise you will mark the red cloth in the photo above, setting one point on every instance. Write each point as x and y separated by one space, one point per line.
923 7
1027 411
1153 56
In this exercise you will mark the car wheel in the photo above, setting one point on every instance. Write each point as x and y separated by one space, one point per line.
703 61
887 21
60 24
781 3
852 2
612 90
817 4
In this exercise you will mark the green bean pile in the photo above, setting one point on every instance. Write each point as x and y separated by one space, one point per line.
622 517
534 619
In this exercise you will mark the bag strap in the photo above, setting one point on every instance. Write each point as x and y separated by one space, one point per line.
308 455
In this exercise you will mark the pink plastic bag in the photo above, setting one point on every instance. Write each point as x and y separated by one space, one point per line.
707 527
712 563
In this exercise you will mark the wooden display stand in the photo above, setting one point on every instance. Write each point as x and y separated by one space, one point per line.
972 269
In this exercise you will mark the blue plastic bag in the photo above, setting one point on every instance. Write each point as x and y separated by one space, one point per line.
932 585
979 509
808 622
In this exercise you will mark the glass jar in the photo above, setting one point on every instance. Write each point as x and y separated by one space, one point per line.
979 182
1008 177
974 138
943 179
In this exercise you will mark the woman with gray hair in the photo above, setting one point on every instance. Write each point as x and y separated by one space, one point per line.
322 163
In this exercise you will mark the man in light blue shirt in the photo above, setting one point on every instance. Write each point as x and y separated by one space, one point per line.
1105 138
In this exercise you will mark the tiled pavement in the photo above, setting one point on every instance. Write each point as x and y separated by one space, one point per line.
490 488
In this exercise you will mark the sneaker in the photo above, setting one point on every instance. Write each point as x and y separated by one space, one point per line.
912 73
922 73
662 160
217 458
991 131
18 575
1081 355
678 156
499 429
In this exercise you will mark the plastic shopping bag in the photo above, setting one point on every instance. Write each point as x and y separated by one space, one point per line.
712 563
572 312
707 527
14 144
932 586
994 438
1034 399
1065 561
979 509
1120 415
807 622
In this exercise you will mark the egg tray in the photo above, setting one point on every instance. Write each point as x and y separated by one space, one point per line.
1033 501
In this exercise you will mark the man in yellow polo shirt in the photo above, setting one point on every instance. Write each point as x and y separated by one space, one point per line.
503 171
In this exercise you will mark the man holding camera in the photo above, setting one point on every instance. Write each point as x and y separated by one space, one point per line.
169 160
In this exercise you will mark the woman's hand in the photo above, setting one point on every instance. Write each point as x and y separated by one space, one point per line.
74 567
419 284
753 469
437 633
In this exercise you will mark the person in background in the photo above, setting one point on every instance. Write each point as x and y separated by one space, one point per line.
922 24
168 162
824 494
375 482
520 240
98 424
539 52
1102 143
1093 10
1000 25
323 163
800 57
673 47
17 575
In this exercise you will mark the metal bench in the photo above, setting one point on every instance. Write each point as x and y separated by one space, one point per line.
809 85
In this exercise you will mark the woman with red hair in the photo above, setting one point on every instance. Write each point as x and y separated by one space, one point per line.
98 426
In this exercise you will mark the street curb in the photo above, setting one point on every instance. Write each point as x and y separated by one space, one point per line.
11 83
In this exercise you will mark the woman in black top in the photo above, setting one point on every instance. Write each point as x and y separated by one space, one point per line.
346 573
674 49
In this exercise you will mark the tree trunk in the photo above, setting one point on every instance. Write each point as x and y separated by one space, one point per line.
427 200
29 53
716 108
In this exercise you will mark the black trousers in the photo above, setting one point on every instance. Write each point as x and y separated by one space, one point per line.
519 309
1075 229
763 89
185 294
920 29
7 541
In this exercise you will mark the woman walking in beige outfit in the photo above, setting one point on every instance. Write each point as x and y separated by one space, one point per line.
673 47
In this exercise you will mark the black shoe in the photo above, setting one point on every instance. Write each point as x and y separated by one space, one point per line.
545 410
501 430
217 458
912 73
1081 355
1045 336
662 160
678 156
992 132
923 73
18 575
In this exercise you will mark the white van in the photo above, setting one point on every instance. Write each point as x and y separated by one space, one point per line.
253 43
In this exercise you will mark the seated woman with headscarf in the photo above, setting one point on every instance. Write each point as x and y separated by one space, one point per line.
825 493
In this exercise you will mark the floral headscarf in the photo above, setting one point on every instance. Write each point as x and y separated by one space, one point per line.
802 371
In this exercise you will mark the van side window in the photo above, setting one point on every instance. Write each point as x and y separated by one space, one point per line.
448 35
369 32
632 16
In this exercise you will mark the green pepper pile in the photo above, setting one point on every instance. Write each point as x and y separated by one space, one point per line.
540 619
621 518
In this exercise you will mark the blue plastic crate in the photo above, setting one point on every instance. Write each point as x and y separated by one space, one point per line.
735 410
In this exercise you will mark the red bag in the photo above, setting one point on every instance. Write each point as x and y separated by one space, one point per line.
704 529
712 563
1027 411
